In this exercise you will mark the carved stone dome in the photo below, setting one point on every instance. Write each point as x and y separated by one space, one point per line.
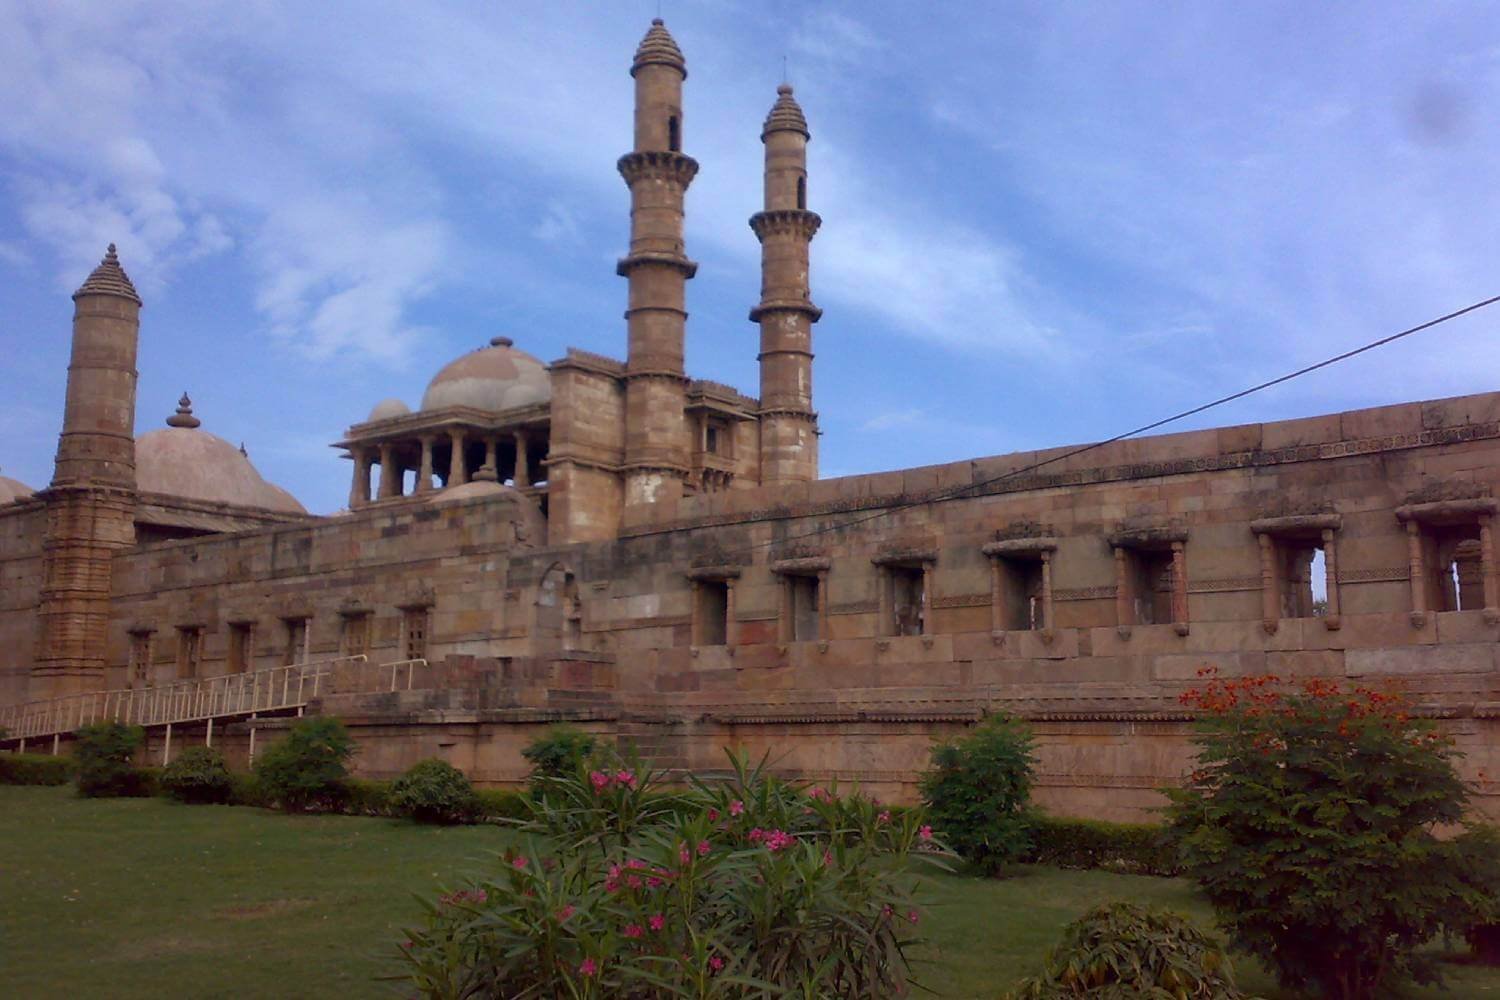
659 47
493 378
13 489
182 460
388 409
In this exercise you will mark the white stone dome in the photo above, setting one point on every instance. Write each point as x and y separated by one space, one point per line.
388 409
181 460
493 378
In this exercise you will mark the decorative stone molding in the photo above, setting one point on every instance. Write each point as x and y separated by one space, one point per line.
1084 594
717 573
1008 547
1296 524
657 165
1445 512
801 566
796 222
1378 574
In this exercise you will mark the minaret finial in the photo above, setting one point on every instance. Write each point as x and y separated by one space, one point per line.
184 415
109 278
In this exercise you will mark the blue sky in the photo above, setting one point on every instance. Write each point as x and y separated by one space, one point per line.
1043 223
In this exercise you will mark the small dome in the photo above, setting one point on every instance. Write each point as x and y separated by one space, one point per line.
785 115
659 47
387 409
181 460
493 378
13 489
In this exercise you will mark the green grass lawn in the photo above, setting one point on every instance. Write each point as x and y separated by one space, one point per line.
143 898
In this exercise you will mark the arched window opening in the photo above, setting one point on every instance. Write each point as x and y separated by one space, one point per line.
802 192
674 134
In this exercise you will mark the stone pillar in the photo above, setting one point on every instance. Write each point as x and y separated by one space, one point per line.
491 461
424 473
523 461
997 595
1487 569
658 174
885 581
1331 619
1270 596
822 604
1416 573
729 626
927 576
458 472
1179 588
390 475
1046 556
1124 614
91 502
788 424
359 487
785 627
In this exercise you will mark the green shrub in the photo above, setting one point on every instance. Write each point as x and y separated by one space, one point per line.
434 791
1310 826
977 791
1132 848
1124 950
245 790
559 751
34 769
103 754
502 804
305 770
198 776
620 889
364 797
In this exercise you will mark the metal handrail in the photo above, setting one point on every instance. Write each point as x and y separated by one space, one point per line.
262 691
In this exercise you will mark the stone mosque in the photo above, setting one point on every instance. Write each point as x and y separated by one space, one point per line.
653 557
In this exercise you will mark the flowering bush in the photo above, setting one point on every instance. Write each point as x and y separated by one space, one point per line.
1309 824
977 791
754 887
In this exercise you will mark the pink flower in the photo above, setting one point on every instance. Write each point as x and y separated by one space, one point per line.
819 795
886 911
566 912
777 839
913 916
636 863
626 778
519 864
713 815
827 859
656 921
757 835
587 967
684 855
884 817
703 848
736 807
599 780
925 833
611 885
716 963
634 930
634 881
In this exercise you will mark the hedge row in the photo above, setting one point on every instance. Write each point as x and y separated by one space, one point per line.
1133 848
365 797
35 769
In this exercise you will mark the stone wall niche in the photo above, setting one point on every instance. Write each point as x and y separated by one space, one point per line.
803 615
713 605
904 579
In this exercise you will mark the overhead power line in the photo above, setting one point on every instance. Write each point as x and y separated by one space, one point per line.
958 492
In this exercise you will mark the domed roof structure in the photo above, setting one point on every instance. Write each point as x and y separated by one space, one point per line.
13 489
659 47
387 409
181 460
785 115
493 378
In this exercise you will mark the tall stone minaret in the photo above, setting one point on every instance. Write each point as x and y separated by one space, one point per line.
788 425
656 434
92 499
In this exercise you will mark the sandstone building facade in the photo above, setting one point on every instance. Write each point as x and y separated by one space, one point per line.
654 557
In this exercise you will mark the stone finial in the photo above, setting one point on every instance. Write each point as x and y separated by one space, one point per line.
109 278
501 342
184 415
486 474
243 451
786 115
659 47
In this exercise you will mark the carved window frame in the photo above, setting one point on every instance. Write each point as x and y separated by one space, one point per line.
354 624
139 655
1422 520
789 570
700 577
189 651
923 560
1126 545
1040 549
239 652
1274 535
416 631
